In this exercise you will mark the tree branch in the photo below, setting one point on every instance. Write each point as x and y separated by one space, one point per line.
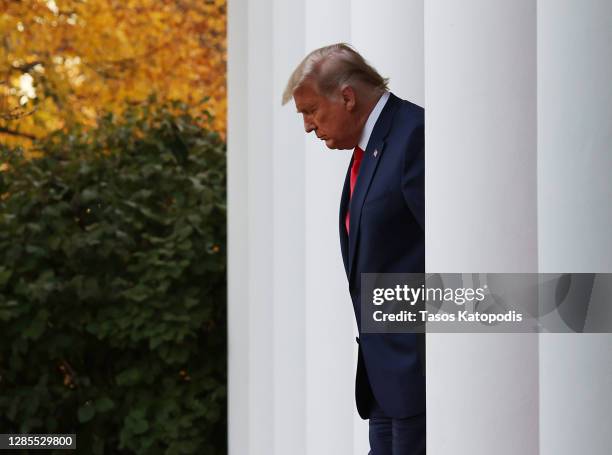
25 68
8 131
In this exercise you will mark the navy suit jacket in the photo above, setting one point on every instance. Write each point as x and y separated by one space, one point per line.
387 235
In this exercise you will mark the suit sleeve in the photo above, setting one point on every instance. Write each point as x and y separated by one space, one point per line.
413 175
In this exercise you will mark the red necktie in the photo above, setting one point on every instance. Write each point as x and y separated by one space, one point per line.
357 157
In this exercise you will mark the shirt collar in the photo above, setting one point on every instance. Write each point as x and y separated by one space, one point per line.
369 125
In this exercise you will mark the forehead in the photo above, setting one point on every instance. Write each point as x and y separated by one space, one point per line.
305 96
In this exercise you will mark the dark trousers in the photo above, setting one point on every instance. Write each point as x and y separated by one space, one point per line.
390 436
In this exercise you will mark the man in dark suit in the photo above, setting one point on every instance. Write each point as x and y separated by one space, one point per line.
382 224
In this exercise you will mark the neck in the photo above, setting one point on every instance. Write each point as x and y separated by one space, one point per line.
366 110
370 103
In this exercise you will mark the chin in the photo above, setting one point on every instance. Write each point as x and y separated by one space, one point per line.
332 145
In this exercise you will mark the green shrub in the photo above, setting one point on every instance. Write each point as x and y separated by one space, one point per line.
113 285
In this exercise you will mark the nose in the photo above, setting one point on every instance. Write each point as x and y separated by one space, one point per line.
308 125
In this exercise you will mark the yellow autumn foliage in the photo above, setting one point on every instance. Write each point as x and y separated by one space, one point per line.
64 61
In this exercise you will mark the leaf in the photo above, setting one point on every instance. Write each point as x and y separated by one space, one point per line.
128 377
37 326
86 413
5 274
139 426
104 404
138 293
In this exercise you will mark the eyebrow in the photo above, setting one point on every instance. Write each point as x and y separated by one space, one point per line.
305 108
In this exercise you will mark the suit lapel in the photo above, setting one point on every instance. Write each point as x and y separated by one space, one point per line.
371 158
343 207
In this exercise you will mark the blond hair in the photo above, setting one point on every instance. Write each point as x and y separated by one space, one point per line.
332 66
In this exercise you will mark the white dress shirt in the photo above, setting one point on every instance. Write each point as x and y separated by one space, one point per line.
369 125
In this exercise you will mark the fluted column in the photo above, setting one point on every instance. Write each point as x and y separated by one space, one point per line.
575 214
481 215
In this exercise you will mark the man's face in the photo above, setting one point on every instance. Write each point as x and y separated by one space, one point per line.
332 119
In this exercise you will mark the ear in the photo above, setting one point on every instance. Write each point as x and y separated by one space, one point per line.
348 98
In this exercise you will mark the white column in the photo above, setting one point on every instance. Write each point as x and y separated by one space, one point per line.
329 316
238 241
390 36
575 214
250 231
481 215
287 243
